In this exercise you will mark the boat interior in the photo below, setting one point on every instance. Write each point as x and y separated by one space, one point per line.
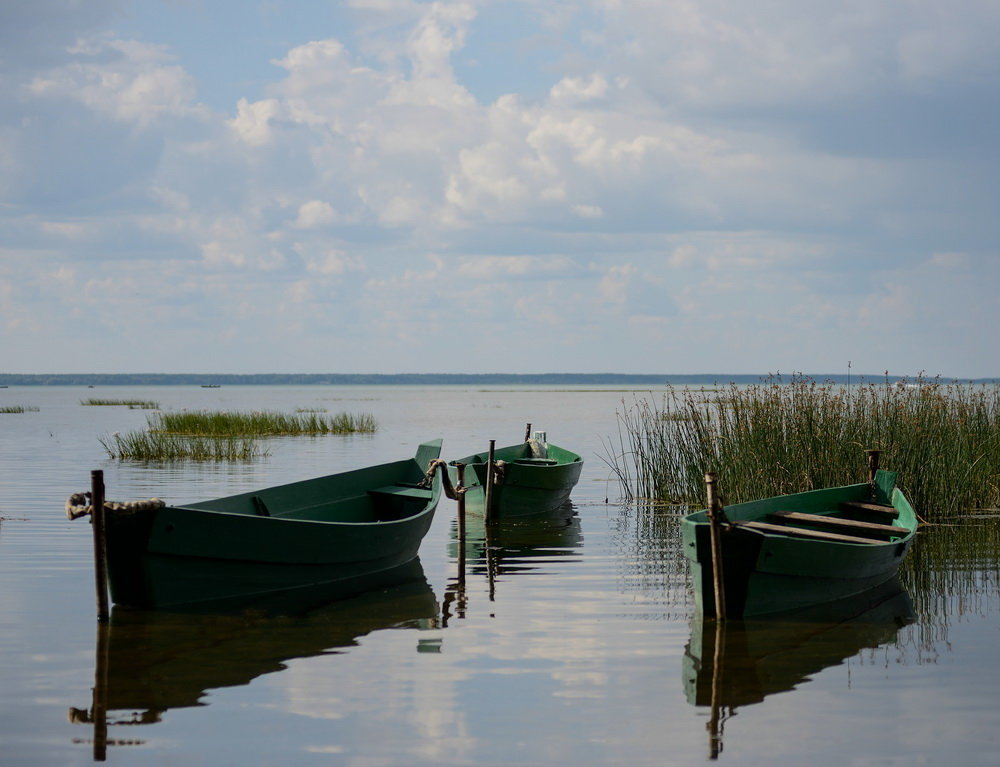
851 522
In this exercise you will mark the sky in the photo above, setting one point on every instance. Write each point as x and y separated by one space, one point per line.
520 186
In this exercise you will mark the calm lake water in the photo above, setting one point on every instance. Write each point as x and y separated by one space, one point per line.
571 640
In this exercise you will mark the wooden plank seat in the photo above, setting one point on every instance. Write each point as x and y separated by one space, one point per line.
802 532
402 490
876 528
869 508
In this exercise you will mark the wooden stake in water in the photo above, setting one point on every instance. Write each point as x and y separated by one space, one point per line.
100 543
715 537
873 456
488 499
527 432
460 492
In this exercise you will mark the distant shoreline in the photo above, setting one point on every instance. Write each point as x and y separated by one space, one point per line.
434 379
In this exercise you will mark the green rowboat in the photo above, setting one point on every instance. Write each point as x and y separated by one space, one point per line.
785 553
333 529
535 477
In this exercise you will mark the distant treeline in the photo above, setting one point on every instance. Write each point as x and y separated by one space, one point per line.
424 379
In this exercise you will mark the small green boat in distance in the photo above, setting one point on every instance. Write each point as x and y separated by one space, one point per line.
341 528
786 553
534 477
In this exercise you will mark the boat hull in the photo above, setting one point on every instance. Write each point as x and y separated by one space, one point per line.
320 531
767 574
526 486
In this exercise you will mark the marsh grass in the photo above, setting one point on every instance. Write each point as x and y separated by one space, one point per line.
777 438
132 404
18 409
258 424
147 446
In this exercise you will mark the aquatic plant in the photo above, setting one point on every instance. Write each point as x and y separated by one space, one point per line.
147 446
132 404
774 438
258 424
18 409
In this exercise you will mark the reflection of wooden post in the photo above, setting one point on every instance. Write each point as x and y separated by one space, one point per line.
715 537
460 490
715 719
100 543
100 712
488 499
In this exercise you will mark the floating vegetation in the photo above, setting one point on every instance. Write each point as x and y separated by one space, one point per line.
132 404
775 438
146 446
18 409
259 424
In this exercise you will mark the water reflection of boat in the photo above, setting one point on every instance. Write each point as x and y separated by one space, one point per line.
521 545
149 662
729 664
508 546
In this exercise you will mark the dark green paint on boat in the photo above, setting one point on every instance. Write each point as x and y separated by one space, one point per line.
334 529
527 484
768 572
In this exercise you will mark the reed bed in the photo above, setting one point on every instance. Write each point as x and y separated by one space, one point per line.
132 404
18 409
776 438
259 424
147 446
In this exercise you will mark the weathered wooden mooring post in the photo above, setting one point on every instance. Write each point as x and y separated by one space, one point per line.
873 460
714 507
490 478
100 543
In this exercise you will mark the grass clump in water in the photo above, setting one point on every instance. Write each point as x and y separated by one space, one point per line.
18 409
259 424
132 404
147 446
776 438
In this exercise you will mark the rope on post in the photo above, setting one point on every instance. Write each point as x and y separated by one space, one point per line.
79 505
439 464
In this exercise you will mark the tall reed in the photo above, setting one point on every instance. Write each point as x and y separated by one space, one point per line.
775 438
258 424
146 446
18 409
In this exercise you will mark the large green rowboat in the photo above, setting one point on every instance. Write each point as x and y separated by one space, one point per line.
784 553
535 477
336 528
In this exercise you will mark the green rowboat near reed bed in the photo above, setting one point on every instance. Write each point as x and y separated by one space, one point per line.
777 438
783 554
